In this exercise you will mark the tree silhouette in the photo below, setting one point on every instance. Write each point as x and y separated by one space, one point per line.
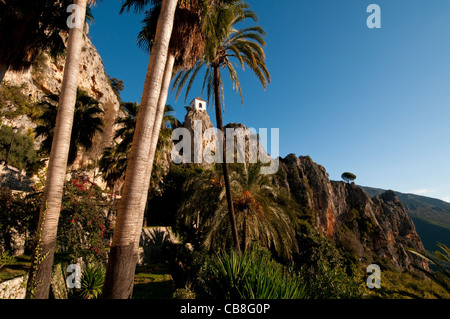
348 177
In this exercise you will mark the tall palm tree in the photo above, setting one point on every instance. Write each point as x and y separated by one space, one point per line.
224 43
265 212
38 285
185 48
87 116
122 259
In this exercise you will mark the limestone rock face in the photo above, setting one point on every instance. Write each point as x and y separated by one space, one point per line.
198 122
345 213
46 75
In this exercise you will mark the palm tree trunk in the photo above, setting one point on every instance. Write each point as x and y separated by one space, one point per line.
226 175
3 70
122 260
41 270
155 137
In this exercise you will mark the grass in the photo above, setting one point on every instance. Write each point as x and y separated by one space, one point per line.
153 282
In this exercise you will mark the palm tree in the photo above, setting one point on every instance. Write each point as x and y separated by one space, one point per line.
122 258
224 42
113 162
27 28
38 285
87 112
185 48
113 165
264 213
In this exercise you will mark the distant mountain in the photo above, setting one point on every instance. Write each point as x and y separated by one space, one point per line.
431 216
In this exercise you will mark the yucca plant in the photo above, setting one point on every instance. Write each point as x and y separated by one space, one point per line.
92 279
251 275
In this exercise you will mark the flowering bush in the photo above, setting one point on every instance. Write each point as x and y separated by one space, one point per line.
84 226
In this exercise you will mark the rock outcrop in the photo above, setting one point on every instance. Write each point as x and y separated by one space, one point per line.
345 213
13 179
45 77
198 123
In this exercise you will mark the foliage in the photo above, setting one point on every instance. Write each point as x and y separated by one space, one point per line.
326 282
350 242
223 42
13 102
407 285
17 211
185 293
23 155
6 259
187 41
348 177
264 213
113 163
92 279
84 226
87 122
117 86
155 246
327 272
440 260
30 27
251 275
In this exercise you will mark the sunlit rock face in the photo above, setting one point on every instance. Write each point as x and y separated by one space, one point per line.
45 77
366 226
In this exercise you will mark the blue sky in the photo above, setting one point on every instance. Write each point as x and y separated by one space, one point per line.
375 102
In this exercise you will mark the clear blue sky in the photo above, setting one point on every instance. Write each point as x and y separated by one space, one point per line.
375 102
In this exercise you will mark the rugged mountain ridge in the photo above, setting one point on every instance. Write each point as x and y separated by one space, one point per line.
430 215
371 228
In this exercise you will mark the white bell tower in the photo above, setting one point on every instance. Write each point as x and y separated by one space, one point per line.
198 105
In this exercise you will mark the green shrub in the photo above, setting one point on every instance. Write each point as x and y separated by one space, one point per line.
315 247
19 212
23 155
13 102
92 280
325 282
252 275
327 272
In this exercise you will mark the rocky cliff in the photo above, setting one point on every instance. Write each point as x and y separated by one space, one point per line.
368 227
198 123
45 77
